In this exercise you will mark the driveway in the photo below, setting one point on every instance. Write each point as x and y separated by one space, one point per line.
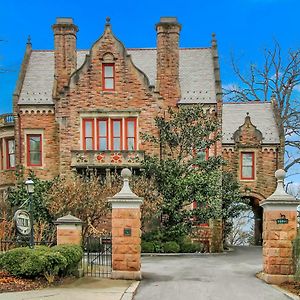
229 276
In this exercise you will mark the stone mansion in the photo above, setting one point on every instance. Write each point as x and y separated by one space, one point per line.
74 109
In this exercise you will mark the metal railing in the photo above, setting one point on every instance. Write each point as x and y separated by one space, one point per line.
7 119
6 245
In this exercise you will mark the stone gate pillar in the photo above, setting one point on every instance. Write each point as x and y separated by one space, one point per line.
68 230
126 232
279 231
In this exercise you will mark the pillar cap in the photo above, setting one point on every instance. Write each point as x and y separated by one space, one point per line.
68 219
280 199
126 197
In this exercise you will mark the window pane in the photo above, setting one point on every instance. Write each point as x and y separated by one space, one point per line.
103 143
108 71
130 144
108 83
117 144
35 143
201 155
88 144
35 158
12 162
102 128
88 129
247 172
11 146
117 128
130 128
247 159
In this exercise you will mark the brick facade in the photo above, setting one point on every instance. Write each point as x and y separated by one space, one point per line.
57 110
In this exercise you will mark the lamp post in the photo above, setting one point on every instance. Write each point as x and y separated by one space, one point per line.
30 190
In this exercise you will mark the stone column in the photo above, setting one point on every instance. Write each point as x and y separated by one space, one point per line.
279 231
216 237
68 230
126 232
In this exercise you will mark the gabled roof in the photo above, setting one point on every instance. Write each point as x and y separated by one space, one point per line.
261 115
196 74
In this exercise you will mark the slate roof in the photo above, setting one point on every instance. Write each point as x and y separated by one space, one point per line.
261 115
196 74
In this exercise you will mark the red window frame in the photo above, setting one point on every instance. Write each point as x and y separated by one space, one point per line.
112 136
195 153
99 134
84 121
8 164
29 164
108 77
252 166
135 133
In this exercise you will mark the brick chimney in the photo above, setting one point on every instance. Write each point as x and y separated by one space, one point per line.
168 30
65 50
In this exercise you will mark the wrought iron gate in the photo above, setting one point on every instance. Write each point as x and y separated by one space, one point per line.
97 260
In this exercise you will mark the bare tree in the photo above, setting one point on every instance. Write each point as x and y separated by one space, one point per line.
277 79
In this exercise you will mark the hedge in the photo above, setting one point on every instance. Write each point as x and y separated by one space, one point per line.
41 261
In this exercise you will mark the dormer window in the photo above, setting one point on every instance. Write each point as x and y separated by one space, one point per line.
108 71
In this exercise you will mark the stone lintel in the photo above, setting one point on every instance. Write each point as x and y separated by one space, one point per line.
127 275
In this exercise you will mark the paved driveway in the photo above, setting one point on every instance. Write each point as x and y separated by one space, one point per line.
228 276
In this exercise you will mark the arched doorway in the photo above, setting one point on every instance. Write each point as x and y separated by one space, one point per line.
258 221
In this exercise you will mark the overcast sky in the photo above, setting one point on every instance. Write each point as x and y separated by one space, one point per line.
243 27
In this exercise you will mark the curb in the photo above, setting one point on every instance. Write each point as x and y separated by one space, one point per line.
130 292
288 294
184 254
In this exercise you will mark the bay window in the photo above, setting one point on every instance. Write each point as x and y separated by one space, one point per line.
114 134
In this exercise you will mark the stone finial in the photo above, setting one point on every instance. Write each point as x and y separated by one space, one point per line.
280 175
213 39
107 20
126 195
280 197
29 40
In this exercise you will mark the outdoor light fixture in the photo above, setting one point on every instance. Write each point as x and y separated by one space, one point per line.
29 186
30 189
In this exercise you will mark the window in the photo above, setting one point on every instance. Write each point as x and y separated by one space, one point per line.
102 134
88 134
34 149
203 154
247 165
110 134
10 154
130 142
116 134
108 81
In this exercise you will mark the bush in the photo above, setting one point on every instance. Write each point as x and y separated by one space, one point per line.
188 247
171 247
147 247
73 255
41 261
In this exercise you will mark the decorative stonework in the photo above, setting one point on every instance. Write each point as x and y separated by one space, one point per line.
116 158
280 229
107 158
